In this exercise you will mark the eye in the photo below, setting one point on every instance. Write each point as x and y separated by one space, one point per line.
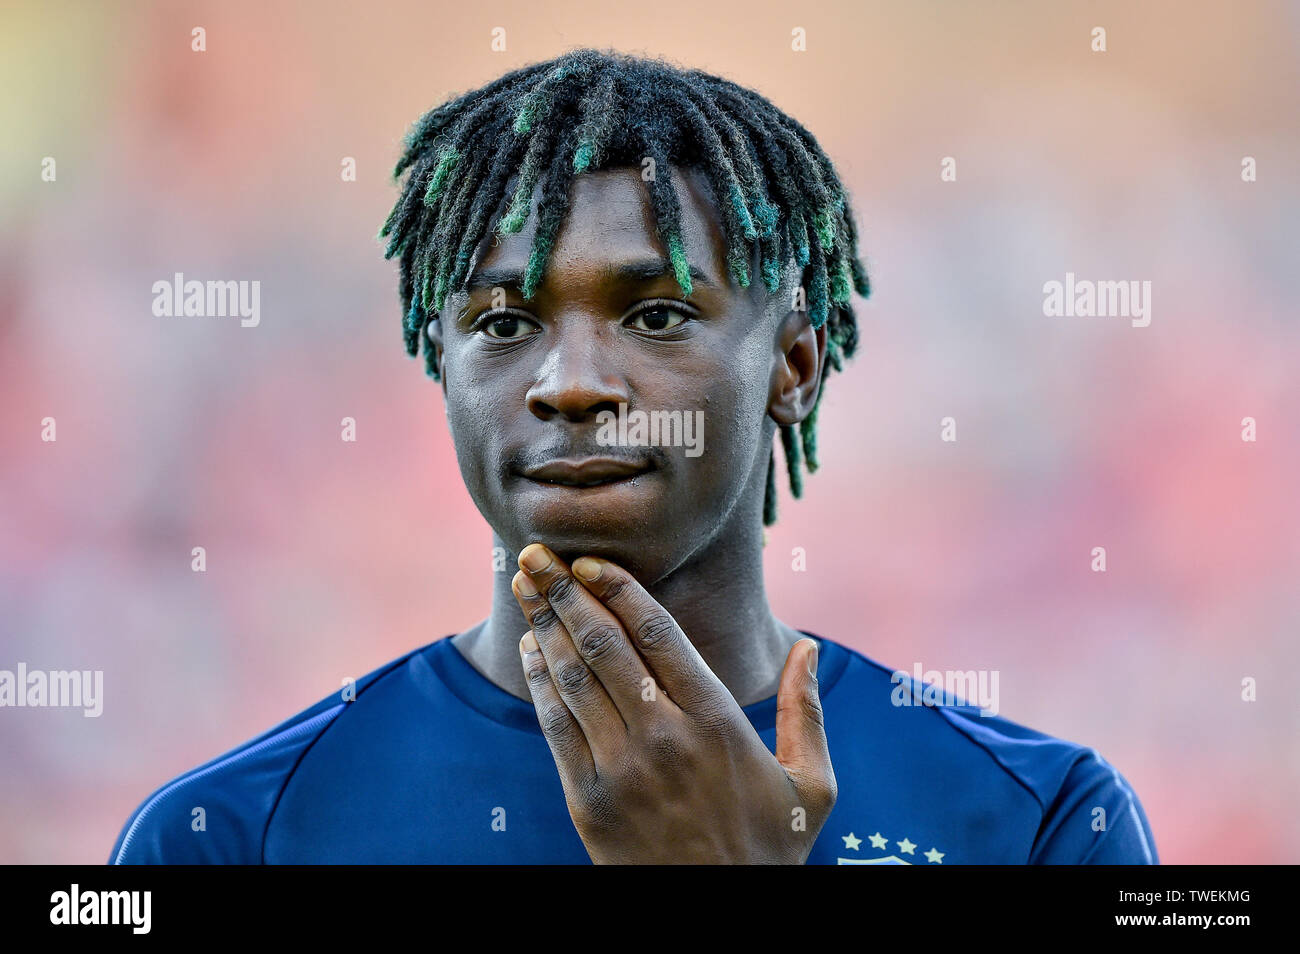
662 317
508 327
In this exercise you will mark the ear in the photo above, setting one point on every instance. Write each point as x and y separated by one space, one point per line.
799 352
433 328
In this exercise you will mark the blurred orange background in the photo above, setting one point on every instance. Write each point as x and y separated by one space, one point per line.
327 559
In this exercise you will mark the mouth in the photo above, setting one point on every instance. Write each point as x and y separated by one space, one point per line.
587 473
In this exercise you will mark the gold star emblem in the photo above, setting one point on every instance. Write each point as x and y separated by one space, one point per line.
851 842
906 847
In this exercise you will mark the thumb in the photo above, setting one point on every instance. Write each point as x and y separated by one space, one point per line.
800 728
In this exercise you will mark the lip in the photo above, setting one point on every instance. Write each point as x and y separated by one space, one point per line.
587 472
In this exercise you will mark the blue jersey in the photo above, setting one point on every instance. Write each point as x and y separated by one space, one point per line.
427 761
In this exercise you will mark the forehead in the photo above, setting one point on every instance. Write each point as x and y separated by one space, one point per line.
610 217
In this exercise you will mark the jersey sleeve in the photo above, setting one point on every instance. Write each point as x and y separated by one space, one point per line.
1094 819
218 813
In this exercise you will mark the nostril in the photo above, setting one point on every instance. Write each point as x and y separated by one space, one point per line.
542 410
576 411
577 397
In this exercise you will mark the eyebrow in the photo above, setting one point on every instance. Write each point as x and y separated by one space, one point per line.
638 271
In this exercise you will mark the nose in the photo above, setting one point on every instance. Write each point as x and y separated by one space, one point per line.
577 379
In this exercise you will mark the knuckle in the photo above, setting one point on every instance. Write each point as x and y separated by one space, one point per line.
654 630
599 641
811 707
831 793
554 720
561 589
817 790
596 805
807 707
664 745
536 672
614 589
572 677
544 618
823 795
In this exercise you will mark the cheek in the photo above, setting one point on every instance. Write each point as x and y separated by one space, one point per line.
469 420
733 403
738 395
473 398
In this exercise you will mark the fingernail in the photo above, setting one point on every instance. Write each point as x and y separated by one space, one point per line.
812 660
534 558
524 585
587 568
529 643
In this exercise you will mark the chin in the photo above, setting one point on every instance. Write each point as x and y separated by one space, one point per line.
629 542
633 552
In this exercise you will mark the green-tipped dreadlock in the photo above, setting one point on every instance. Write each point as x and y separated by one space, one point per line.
480 156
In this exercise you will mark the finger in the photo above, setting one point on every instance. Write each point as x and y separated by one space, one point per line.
801 729
563 734
577 685
677 666
596 632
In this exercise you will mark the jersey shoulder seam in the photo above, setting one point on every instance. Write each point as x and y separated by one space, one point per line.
369 683
243 751
315 718
948 719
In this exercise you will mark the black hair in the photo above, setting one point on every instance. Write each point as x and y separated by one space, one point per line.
778 193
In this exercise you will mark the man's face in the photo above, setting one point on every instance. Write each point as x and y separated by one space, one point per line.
526 381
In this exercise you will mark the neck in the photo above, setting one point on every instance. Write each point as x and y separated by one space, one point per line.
717 597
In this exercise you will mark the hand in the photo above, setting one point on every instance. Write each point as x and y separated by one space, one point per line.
657 760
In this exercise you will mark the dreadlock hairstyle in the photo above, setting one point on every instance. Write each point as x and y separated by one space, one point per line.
475 161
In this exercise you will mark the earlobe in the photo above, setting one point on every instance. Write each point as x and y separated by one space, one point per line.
797 371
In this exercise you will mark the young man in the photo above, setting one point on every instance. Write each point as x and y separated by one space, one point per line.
581 242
